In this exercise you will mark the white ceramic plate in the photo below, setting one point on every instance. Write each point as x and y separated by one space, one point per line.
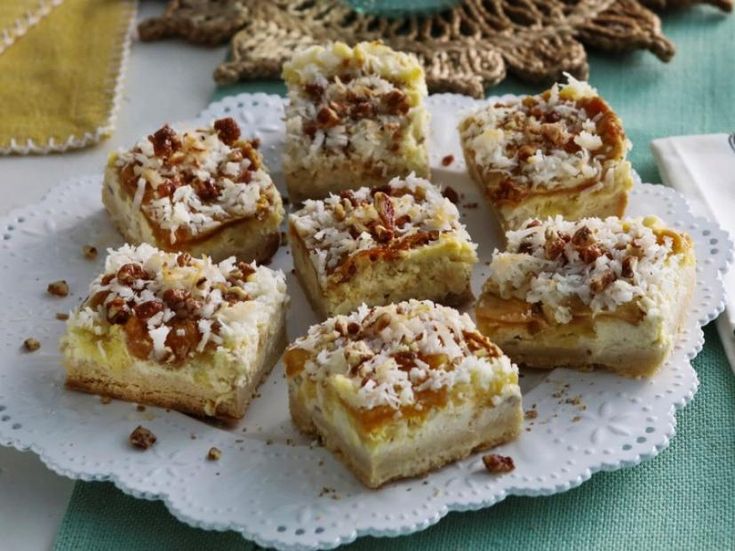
271 484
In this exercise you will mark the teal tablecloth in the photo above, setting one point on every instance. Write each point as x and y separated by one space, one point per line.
683 499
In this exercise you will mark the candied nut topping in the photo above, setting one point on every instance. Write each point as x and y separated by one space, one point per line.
171 306
450 193
142 438
227 130
191 183
368 105
498 464
373 224
62 316
402 355
447 160
89 252
58 288
602 264
31 344
214 454
165 142
562 138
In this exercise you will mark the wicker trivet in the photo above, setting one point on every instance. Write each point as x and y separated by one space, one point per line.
464 50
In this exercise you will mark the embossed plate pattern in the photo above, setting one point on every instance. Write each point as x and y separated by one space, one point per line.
271 485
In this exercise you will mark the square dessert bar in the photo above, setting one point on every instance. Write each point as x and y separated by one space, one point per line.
397 391
355 118
610 293
203 191
561 152
173 331
381 245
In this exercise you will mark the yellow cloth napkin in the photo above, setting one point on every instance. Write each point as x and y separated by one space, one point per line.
17 16
60 82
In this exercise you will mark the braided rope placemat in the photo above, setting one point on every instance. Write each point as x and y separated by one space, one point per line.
464 49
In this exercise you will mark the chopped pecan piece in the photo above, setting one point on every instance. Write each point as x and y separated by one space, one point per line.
554 246
142 438
582 237
533 223
62 316
89 252
130 273
382 234
227 130
590 254
207 190
313 90
327 118
629 265
508 190
183 260
31 344
58 288
214 454
384 206
148 309
450 193
498 464
554 133
245 269
525 247
165 142
166 189
362 110
600 282
353 328
175 297
235 294
526 151
447 160
118 311
402 220
396 102
348 195
182 339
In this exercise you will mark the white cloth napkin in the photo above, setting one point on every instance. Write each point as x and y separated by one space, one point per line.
703 169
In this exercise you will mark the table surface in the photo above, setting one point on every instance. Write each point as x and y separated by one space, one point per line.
167 82
163 82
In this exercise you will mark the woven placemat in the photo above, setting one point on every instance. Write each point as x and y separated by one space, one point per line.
464 49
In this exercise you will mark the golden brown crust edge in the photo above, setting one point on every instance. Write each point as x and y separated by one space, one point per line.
180 397
614 205
249 239
506 428
307 277
641 362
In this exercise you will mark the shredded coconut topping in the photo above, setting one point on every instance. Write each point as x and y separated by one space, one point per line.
561 138
602 264
192 182
393 354
404 214
172 306
364 101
